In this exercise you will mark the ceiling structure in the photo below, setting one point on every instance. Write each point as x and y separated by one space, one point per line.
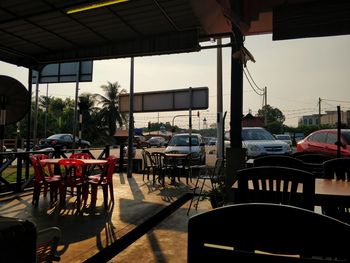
34 33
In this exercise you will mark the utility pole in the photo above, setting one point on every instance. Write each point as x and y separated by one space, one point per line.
219 102
319 111
265 104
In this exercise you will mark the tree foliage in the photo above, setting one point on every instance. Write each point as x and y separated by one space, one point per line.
100 116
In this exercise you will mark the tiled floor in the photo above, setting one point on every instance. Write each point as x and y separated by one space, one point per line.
85 234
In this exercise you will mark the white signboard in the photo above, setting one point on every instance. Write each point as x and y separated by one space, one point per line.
64 72
170 100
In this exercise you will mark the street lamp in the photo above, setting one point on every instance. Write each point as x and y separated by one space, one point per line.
205 123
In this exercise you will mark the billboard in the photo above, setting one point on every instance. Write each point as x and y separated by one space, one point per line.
170 100
64 72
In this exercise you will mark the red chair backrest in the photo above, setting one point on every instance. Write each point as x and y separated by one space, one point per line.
39 174
109 168
80 156
74 166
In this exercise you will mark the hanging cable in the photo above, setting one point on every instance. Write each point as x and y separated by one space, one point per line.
246 68
260 94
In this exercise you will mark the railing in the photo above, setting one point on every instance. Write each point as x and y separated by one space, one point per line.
22 159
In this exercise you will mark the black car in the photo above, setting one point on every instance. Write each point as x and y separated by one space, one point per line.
62 141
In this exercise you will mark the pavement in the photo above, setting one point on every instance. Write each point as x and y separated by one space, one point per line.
133 229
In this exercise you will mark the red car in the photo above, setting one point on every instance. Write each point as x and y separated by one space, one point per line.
325 142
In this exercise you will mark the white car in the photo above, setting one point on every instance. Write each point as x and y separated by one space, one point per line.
259 141
179 143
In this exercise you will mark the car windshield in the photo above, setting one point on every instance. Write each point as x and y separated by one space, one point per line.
256 134
183 140
55 136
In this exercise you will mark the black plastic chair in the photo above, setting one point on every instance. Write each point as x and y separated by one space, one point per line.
339 169
262 232
216 178
276 184
278 160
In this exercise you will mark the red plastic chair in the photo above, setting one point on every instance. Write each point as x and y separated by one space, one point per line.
40 179
105 180
74 178
80 156
41 156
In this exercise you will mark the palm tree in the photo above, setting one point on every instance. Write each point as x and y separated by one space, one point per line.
89 112
109 113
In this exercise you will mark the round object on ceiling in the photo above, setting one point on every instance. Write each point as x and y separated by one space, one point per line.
14 99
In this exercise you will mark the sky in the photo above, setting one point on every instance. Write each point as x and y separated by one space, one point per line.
296 73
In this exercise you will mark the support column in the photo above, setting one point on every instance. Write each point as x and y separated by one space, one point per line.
235 155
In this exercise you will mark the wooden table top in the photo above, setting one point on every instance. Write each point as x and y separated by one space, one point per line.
176 155
86 161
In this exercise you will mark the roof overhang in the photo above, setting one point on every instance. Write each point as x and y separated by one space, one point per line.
35 33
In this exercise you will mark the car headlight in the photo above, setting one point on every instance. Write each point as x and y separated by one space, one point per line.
253 148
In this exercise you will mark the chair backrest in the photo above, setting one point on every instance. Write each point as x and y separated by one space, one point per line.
80 156
313 157
278 160
276 184
39 174
73 167
159 159
109 168
243 230
218 173
337 168
40 156
146 158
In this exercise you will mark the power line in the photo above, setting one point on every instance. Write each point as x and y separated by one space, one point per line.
246 68
260 94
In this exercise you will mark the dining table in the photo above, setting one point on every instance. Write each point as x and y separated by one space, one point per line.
173 162
87 163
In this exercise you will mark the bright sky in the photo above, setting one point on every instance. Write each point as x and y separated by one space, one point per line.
296 73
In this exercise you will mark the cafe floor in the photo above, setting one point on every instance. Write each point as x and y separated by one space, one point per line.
97 235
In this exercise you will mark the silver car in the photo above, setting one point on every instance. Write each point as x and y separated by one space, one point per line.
180 143
258 141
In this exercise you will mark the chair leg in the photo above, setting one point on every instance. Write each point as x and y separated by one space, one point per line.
111 192
193 195
36 194
200 193
93 195
79 193
105 195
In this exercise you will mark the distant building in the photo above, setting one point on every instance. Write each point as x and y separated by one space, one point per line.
307 120
250 121
330 117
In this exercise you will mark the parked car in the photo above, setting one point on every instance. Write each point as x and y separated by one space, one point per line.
284 137
259 141
156 141
325 142
180 143
141 142
62 141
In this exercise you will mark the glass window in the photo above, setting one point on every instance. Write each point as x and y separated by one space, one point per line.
331 138
346 136
256 134
318 137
